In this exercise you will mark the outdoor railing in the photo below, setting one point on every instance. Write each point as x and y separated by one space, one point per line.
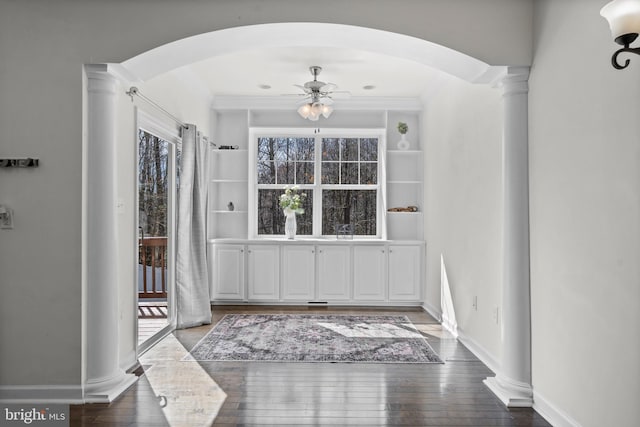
153 261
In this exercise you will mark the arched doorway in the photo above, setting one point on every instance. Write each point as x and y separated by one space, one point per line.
186 51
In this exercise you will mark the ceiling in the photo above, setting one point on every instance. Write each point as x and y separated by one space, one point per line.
274 71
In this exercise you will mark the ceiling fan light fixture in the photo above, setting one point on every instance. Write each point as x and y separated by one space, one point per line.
304 111
319 94
326 111
316 108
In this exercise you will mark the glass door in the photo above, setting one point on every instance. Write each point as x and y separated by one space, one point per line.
157 178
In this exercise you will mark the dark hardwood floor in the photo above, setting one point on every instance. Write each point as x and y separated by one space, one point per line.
335 394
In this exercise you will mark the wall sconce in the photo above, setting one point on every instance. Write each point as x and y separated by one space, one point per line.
624 20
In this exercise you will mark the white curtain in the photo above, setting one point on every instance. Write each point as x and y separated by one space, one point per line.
192 287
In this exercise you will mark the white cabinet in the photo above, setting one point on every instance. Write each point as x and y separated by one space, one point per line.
264 272
298 273
369 273
334 273
227 272
404 272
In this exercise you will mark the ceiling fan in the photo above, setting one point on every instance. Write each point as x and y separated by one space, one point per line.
318 96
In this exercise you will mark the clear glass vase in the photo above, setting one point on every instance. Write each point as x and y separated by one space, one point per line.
403 144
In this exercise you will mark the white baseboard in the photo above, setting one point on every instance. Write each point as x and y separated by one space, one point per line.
129 363
479 351
551 413
64 394
541 405
450 326
432 310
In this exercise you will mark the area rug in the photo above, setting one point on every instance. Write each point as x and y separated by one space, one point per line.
314 338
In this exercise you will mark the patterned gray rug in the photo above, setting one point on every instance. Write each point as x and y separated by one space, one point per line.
314 338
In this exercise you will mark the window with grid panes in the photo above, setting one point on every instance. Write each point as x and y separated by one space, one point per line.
338 174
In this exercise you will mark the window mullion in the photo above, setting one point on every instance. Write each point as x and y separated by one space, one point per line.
317 190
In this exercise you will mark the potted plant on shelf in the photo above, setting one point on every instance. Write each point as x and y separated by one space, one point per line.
403 144
291 204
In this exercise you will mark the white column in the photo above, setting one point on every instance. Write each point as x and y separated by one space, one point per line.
104 379
513 382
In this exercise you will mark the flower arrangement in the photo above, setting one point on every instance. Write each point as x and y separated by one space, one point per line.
291 200
403 128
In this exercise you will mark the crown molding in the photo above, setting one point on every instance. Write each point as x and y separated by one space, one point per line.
287 103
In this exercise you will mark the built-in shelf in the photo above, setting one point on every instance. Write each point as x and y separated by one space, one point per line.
229 175
229 171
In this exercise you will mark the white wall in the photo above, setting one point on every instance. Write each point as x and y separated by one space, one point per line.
463 134
585 199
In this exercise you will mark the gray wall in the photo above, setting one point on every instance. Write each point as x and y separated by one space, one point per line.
585 200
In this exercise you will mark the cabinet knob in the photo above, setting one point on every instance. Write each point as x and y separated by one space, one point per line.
241 250
312 251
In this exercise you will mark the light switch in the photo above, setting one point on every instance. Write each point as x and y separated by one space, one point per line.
6 218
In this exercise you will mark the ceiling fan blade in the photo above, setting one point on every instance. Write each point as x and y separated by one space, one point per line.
306 90
341 94
326 99
329 87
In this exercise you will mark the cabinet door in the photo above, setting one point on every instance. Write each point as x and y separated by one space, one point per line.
334 273
404 273
298 273
264 269
228 272
369 273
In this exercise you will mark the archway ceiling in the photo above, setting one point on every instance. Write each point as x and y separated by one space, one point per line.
245 72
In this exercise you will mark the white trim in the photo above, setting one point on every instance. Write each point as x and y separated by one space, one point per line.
434 312
158 127
512 394
479 351
66 394
450 325
361 103
155 125
551 413
129 362
106 390
316 187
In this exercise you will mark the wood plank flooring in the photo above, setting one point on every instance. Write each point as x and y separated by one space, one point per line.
335 394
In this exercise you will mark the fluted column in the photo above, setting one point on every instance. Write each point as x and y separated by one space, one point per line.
104 379
513 382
